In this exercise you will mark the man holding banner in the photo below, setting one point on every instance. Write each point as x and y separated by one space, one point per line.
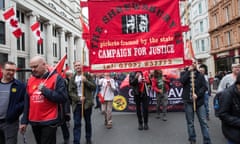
194 88
81 88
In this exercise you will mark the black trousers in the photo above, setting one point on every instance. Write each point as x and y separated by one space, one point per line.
45 134
142 103
2 137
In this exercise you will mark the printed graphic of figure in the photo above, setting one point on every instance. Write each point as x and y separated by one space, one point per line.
129 24
142 23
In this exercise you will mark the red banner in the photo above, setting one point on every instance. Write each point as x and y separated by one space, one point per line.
128 36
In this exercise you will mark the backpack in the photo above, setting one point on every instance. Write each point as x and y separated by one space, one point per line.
217 103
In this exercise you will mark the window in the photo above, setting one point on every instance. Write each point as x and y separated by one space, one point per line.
40 48
200 8
197 46
216 42
2 4
21 64
20 16
21 42
41 26
65 38
228 37
202 45
201 26
55 49
227 16
3 57
239 7
54 32
2 33
215 20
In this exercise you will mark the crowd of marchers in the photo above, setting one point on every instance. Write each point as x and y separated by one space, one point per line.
48 101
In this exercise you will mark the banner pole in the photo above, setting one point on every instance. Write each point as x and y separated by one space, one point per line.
83 97
193 90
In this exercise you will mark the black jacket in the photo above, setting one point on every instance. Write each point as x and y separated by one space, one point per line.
229 113
200 87
134 84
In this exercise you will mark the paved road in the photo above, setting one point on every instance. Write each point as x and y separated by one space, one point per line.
125 130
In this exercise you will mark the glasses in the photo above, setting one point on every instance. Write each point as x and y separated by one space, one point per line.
12 70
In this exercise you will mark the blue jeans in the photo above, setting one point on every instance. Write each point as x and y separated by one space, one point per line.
201 114
77 116
206 103
230 142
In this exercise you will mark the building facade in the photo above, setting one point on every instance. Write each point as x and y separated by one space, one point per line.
199 33
60 31
224 30
194 13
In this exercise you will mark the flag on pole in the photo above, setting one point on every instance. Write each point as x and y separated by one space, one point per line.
85 32
10 17
60 64
35 27
189 53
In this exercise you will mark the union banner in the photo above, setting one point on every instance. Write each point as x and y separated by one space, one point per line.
130 35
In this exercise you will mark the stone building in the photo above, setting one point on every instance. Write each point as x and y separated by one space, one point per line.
224 30
60 30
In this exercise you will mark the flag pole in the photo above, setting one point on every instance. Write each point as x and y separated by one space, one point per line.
193 91
83 99
192 74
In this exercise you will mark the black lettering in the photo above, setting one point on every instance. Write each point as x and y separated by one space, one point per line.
119 10
173 24
127 7
152 9
105 19
166 17
99 30
145 7
111 14
159 13
136 6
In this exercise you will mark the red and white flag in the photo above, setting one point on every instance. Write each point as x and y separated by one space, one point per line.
35 27
10 17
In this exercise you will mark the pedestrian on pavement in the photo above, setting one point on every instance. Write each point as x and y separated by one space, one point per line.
194 88
81 89
160 86
140 91
229 112
11 103
230 78
46 93
107 91
203 71
98 76
67 117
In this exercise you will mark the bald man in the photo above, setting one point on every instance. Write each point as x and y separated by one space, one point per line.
46 92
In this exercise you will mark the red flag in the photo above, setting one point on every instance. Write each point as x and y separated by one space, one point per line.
189 53
101 98
60 64
36 30
83 4
17 33
9 16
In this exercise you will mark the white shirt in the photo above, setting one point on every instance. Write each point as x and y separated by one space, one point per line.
106 90
78 81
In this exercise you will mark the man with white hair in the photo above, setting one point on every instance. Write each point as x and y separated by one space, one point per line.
229 79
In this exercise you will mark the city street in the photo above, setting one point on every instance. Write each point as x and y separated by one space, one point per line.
125 130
